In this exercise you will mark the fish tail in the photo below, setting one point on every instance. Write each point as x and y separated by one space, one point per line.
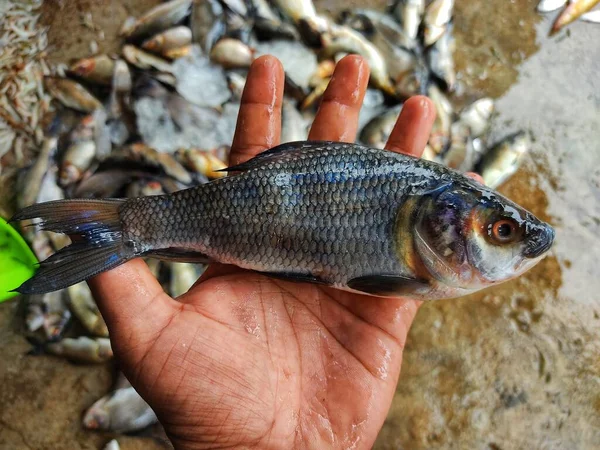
97 242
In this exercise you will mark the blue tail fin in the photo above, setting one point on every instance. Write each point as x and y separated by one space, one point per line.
95 230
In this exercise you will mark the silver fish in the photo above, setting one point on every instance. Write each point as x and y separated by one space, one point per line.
236 83
207 23
71 94
121 411
297 9
337 214
232 54
112 445
503 160
158 19
49 312
409 13
97 69
440 133
84 307
82 349
168 40
377 131
32 182
202 162
81 152
144 60
441 59
143 188
477 116
437 17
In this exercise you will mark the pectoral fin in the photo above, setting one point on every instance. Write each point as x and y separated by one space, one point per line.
388 285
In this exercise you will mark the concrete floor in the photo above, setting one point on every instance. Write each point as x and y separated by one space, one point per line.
515 367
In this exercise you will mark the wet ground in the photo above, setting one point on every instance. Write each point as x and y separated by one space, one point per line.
515 367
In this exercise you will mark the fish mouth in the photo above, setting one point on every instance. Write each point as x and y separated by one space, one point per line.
540 242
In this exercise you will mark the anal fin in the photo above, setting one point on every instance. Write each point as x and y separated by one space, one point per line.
387 285
175 254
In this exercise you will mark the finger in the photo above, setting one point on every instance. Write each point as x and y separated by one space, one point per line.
259 120
475 176
413 127
337 118
131 299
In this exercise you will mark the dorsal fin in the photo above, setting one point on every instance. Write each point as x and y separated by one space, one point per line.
276 152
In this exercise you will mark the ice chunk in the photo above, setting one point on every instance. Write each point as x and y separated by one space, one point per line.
200 81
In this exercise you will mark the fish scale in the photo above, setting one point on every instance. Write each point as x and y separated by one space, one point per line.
332 209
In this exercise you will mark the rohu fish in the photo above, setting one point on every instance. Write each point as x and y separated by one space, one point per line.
343 215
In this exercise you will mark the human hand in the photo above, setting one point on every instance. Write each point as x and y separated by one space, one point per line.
243 360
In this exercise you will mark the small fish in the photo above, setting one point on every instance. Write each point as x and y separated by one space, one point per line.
440 133
106 183
503 160
236 83
84 307
207 22
97 69
441 60
171 39
81 152
460 152
267 25
344 39
71 94
232 54
437 17
409 13
183 277
32 182
297 9
41 245
377 131
477 116
157 19
571 13
112 445
202 162
82 349
144 188
545 6
293 125
49 312
314 97
121 411
336 214
324 70
144 60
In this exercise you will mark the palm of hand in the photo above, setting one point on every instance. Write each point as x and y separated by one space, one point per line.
244 360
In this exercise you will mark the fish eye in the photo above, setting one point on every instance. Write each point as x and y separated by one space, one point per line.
503 231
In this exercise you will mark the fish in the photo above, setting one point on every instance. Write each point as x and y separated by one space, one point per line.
232 54
141 188
267 25
344 39
202 162
112 445
97 69
437 17
71 94
441 60
157 19
334 214
32 181
81 152
82 349
236 83
440 133
207 22
314 97
145 60
49 312
545 6
297 9
459 154
409 13
83 306
504 159
571 13
377 131
121 411
165 42
477 116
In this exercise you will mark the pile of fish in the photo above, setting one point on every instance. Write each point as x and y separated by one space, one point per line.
159 117
572 10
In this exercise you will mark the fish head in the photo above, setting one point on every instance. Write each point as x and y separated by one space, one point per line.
470 237
97 417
